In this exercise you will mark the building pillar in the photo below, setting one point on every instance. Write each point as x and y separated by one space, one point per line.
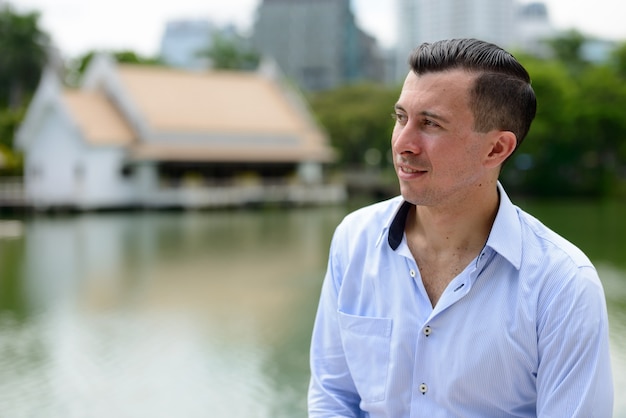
147 181
310 173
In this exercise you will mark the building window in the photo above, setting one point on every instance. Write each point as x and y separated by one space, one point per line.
127 170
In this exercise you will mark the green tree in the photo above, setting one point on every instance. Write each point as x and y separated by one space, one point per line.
230 53
577 143
23 55
567 48
618 59
357 119
77 66
547 145
599 131
9 121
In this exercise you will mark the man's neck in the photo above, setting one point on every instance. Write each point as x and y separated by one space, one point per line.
444 240
454 227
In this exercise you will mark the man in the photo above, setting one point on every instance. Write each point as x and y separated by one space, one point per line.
449 301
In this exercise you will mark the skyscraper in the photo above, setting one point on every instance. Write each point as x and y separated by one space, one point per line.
427 21
185 42
316 43
182 42
534 28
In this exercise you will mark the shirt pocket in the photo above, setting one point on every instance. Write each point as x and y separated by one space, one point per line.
366 343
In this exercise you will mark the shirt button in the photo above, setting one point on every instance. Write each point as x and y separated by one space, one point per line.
427 330
423 388
412 273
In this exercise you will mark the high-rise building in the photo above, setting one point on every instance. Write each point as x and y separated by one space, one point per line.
316 43
534 27
427 21
182 42
185 42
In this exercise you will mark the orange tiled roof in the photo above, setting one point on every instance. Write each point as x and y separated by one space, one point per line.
241 109
215 101
97 118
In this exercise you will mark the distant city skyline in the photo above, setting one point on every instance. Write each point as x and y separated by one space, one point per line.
77 26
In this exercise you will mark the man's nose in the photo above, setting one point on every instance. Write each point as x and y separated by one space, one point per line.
407 139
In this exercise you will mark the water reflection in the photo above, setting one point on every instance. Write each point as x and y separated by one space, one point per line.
179 314
614 282
196 314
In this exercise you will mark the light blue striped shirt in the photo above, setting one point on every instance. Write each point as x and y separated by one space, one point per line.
522 332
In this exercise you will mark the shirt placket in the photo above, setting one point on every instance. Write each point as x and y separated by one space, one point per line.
427 364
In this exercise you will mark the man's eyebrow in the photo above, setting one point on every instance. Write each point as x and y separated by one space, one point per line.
427 113
434 115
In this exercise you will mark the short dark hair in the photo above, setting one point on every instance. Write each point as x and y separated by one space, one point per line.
501 98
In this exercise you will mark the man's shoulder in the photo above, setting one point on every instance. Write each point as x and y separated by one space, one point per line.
550 242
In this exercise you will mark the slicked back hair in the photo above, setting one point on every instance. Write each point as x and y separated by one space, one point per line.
501 97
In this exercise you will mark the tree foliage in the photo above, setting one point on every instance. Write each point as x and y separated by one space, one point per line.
77 66
23 54
577 144
10 161
618 60
357 118
230 53
567 49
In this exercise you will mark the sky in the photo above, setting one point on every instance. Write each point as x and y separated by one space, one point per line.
78 26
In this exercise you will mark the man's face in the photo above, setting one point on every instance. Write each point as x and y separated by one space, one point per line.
437 155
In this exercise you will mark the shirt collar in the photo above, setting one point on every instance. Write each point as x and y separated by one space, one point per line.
396 229
505 237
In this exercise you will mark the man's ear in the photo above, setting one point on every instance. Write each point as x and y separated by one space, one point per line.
503 144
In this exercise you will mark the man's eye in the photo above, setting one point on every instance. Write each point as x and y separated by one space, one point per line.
398 117
428 122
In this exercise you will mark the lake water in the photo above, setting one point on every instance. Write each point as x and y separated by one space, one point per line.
199 314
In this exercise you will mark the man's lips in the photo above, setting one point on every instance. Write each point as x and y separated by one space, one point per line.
406 173
409 170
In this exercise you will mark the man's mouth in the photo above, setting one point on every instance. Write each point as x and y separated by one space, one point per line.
410 170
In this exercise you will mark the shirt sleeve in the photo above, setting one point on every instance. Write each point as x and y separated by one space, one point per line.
574 374
332 392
